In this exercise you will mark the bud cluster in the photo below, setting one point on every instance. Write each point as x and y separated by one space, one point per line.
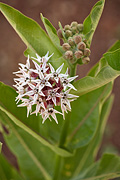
43 87
75 45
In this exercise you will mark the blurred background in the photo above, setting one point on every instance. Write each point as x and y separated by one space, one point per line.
65 11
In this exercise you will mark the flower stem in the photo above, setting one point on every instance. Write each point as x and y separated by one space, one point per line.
61 145
73 70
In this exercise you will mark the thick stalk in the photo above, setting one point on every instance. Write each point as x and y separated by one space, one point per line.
63 134
73 70
61 145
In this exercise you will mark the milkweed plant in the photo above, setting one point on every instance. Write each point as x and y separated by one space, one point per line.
51 120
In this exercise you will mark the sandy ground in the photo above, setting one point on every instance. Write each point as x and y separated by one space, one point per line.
65 11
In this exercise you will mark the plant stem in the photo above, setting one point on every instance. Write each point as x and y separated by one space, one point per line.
64 132
61 145
73 70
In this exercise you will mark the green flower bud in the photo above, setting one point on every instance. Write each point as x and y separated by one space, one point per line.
66 46
71 42
81 46
67 27
78 54
74 23
74 30
69 55
77 39
86 60
59 33
87 52
80 27
68 33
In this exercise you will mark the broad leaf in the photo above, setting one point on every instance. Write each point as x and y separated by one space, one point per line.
31 33
113 59
8 172
57 150
88 83
106 168
51 32
32 156
84 156
89 152
92 20
103 62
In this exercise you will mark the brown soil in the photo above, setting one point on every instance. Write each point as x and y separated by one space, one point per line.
65 11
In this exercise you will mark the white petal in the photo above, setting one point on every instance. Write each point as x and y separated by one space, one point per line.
59 69
54 100
54 117
55 111
72 96
29 93
28 63
41 93
51 68
56 79
36 65
48 84
72 78
66 73
71 86
31 86
41 75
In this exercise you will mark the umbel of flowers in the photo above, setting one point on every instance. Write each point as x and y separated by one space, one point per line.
76 49
43 87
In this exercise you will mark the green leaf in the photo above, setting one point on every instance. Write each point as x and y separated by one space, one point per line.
32 156
51 32
31 33
92 20
56 149
103 62
106 168
113 59
109 163
115 46
90 117
8 172
89 152
84 156
18 115
88 83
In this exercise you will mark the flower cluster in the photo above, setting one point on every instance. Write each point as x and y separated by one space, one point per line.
75 44
44 87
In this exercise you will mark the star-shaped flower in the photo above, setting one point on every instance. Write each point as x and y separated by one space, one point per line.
48 112
56 74
52 94
40 68
43 59
39 103
43 81
66 98
28 103
66 82
35 91
24 78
